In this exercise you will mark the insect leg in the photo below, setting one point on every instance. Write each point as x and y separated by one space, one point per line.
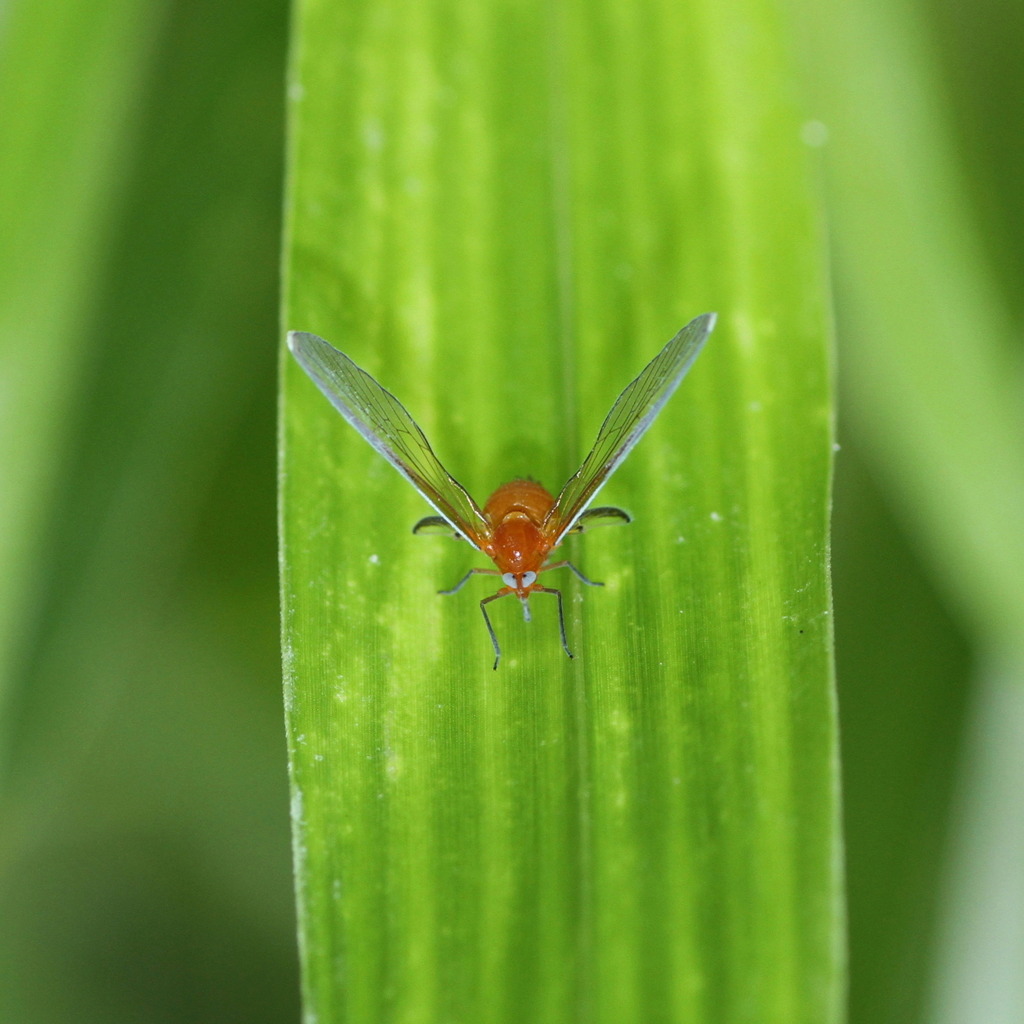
561 616
490 628
465 579
579 575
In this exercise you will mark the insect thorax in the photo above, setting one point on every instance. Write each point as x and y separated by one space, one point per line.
519 544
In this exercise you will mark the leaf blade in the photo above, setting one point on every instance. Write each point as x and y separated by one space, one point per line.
560 840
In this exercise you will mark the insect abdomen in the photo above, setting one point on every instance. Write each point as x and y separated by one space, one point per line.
525 496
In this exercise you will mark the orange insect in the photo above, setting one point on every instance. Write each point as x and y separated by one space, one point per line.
521 523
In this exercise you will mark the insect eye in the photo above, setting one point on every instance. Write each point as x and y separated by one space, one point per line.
508 579
529 578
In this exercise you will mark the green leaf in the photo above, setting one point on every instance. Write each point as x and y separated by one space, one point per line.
143 845
502 213
932 387
69 86
930 367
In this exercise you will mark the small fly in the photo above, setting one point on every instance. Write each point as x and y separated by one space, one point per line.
521 523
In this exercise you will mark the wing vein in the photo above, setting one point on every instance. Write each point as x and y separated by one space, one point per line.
384 422
630 417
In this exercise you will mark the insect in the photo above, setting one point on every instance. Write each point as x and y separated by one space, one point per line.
521 523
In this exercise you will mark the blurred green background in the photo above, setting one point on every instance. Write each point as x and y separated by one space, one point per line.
144 849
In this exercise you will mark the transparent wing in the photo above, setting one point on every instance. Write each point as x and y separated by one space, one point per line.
633 412
383 421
